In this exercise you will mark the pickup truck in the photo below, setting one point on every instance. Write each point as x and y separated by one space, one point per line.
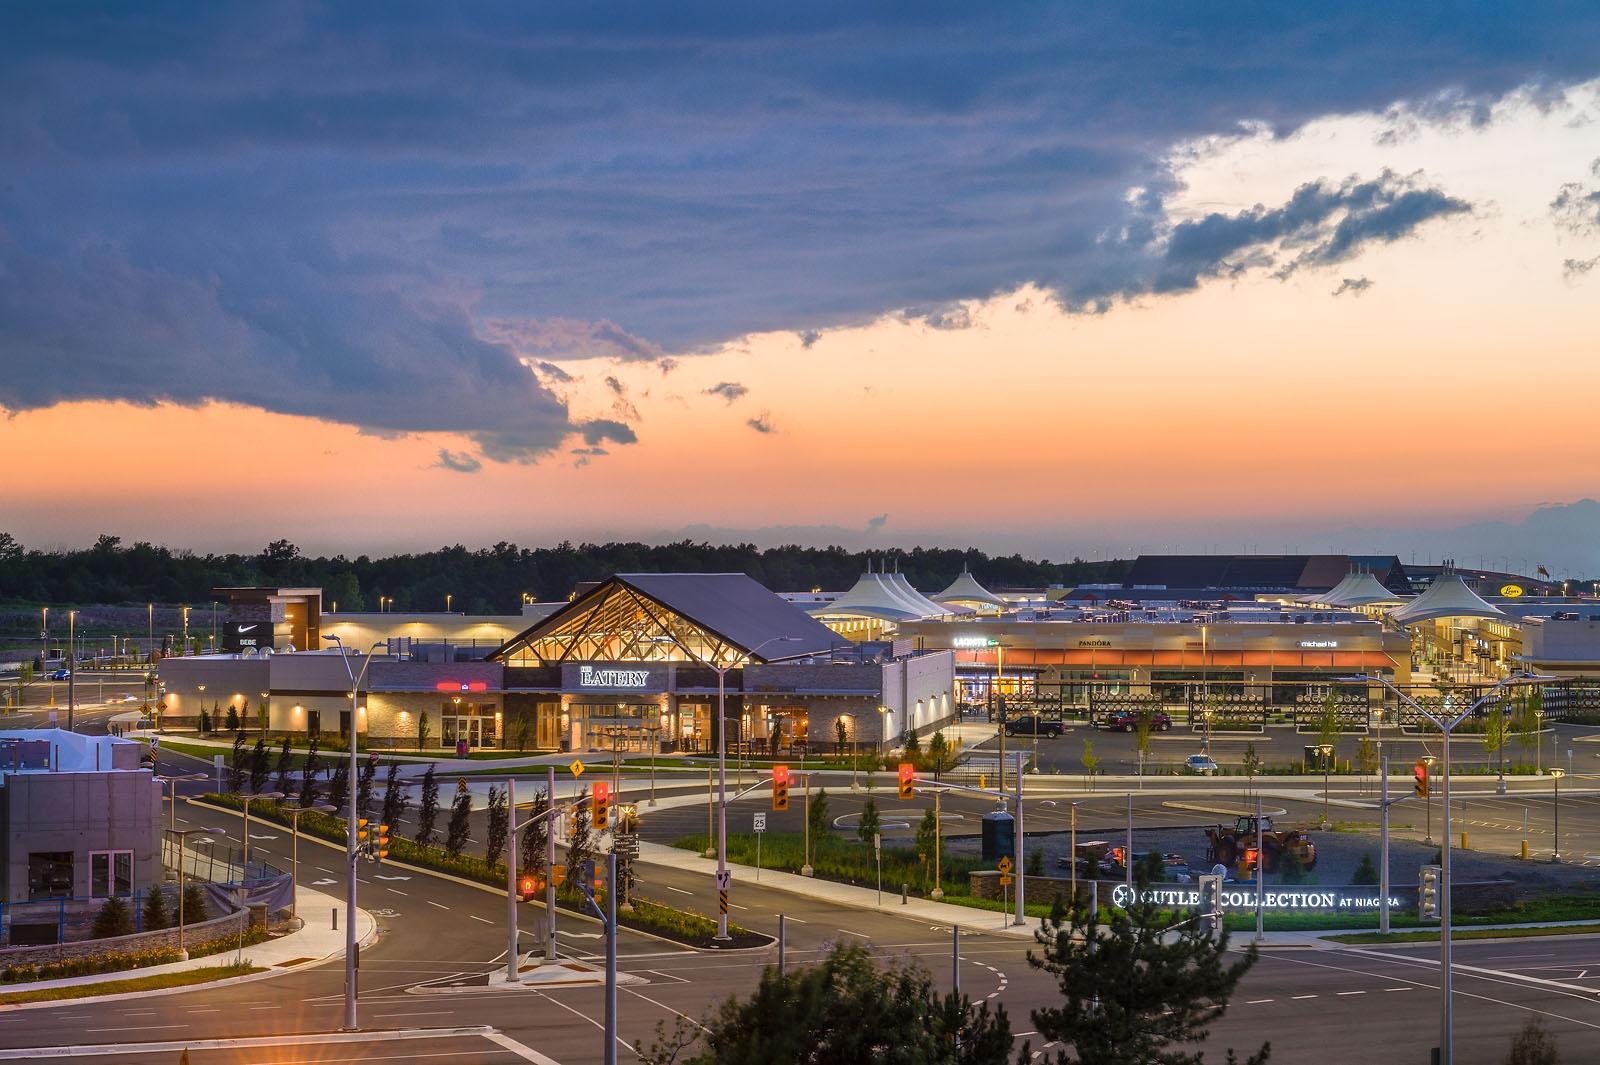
1033 725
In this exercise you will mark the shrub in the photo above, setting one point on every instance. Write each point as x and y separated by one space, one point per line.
113 919
1366 872
195 909
155 910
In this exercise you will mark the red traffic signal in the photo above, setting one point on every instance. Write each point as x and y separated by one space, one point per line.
780 787
602 805
908 780
527 886
1419 781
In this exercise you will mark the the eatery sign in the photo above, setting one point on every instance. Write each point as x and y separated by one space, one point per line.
589 677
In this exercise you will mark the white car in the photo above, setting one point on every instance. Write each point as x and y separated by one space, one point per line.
1200 763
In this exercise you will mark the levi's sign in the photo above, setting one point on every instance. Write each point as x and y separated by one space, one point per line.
589 677
1236 899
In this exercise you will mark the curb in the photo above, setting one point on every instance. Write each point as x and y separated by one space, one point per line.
244 1042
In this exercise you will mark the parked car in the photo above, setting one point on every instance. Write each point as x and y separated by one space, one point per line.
1200 763
61 674
1128 720
1033 725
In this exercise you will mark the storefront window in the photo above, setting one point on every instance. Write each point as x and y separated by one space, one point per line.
110 873
475 723
49 874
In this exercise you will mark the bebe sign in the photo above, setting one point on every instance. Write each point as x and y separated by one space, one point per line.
589 677
1246 900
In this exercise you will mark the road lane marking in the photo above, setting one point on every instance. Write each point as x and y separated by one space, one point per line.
441 905
136 1028
679 890
475 917
1297 998
1351 992
397 891
1257 1001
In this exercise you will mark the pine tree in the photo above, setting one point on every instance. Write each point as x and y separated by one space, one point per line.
818 816
364 777
871 823
581 847
195 908
928 841
339 785
494 844
1291 870
1034 865
236 764
155 910
1366 872
205 722
231 721
455 833
285 763
1138 987
112 919
308 772
258 766
394 798
428 809
531 851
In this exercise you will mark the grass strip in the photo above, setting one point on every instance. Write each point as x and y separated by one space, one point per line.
183 978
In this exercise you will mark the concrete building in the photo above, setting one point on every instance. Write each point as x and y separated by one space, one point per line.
79 817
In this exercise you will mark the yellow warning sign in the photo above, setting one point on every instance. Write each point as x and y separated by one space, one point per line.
576 767
1005 880
1005 865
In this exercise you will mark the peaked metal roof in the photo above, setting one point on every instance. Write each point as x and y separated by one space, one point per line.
966 589
759 624
1447 597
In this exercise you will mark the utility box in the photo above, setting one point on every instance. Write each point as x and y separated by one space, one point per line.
999 836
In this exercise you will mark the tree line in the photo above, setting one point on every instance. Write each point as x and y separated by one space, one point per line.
486 580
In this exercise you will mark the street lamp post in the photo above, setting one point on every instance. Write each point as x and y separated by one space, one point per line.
172 801
294 847
72 666
179 835
352 855
1446 726
1556 773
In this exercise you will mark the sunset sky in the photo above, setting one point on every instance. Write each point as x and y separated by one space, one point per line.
1054 279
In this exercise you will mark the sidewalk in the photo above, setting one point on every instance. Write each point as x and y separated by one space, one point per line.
316 941
861 898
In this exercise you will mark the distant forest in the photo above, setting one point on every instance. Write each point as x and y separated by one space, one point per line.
489 580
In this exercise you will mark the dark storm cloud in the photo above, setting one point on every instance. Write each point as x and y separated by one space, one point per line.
385 220
728 390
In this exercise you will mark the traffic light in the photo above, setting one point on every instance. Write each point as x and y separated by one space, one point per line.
1210 899
602 805
527 886
382 842
1428 893
780 787
363 837
1419 779
908 780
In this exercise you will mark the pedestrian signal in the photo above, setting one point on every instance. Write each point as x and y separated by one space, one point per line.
1419 780
602 805
780 787
527 886
908 780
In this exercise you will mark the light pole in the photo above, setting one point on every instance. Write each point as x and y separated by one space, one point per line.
150 627
447 603
181 834
723 877
1556 773
244 862
44 639
352 855
1326 750
1445 727
294 846
185 632
72 666
172 802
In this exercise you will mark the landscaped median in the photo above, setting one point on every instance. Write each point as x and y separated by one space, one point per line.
647 915
133 985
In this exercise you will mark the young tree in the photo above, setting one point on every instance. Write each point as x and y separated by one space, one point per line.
494 843
531 850
1497 732
263 718
1139 983
155 910
524 730
1534 1045
1366 872
938 754
455 833
1252 762
910 747
195 908
581 847
1034 864
339 785
237 764
258 766
112 919
929 843
428 807
231 720
422 731
818 816
364 776
285 764
841 734
204 725
308 772
845 1011
1366 758
1328 720
1141 739
395 799
871 824
1090 760
1291 870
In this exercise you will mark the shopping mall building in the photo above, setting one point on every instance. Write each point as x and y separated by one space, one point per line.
635 661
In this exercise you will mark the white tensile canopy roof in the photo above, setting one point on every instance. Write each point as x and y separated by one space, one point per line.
907 592
874 595
1447 597
1331 597
1360 589
966 589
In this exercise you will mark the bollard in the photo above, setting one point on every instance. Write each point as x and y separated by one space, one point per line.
1464 842
983 782
1524 850
336 918
902 893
